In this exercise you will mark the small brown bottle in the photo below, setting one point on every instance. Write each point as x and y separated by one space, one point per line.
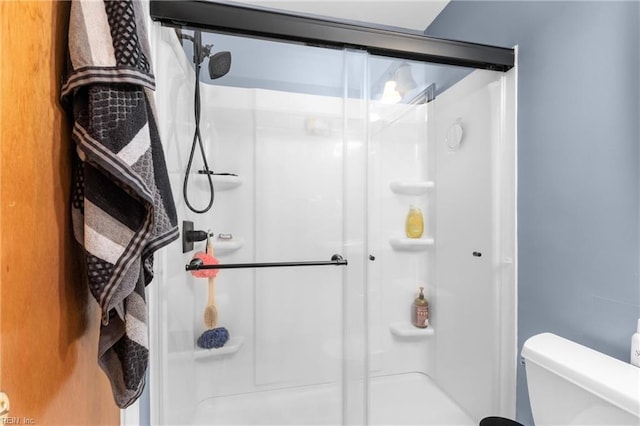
421 310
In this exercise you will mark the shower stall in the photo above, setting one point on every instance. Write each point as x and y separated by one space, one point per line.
317 147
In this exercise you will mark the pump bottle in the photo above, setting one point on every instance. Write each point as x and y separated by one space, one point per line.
421 310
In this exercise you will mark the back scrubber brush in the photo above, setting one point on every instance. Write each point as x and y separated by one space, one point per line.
211 311
212 337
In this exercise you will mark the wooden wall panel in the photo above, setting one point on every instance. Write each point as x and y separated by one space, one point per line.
48 322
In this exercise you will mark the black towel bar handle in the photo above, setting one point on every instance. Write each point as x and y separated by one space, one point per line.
196 264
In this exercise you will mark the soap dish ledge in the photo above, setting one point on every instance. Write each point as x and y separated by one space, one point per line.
405 329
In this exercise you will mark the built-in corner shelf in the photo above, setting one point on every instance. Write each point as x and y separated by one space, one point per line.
226 182
411 244
411 188
405 329
227 246
232 346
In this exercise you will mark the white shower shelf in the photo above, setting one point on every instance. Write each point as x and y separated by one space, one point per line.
405 329
227 246
226 182
412 187
232 346
411 244
220 182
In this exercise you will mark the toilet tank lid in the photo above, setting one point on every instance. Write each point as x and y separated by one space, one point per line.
611 379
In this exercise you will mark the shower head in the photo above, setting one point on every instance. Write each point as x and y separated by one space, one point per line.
219 64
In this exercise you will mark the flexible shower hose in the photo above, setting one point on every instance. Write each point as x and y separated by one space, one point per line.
197 140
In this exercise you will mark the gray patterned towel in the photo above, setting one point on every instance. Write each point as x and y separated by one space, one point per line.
122 206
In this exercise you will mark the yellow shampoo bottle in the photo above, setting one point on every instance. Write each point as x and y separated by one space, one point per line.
414 226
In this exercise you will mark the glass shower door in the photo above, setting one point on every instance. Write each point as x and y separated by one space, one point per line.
284 131
317 152
440 143
401 175
306 333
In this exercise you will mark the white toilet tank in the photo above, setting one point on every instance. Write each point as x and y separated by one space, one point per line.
570 384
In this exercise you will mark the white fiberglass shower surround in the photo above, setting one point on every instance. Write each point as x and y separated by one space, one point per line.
320 162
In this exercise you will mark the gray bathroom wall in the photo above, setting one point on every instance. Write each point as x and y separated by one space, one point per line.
578 164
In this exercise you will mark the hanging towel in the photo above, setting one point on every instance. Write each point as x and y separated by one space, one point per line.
122 206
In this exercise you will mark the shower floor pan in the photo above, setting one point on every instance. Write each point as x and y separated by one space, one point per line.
410 398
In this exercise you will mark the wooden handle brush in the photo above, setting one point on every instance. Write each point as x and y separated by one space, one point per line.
211 311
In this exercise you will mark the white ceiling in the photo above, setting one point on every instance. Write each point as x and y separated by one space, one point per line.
410 14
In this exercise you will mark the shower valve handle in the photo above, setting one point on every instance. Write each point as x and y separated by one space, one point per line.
192 236
189 235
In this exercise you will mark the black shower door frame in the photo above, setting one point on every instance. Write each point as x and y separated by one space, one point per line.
272 24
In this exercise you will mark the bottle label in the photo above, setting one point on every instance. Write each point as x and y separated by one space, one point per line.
422 316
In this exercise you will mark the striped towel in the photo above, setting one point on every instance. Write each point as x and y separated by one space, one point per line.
122 206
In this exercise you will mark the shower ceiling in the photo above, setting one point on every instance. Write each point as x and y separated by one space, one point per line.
414 15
